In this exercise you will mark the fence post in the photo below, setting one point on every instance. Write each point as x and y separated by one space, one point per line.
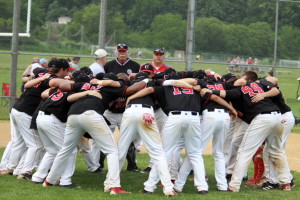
14 52
102 25
275 39
190 35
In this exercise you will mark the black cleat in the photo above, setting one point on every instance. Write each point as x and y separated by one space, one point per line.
269 186
203 192
99 170
147 170
145 191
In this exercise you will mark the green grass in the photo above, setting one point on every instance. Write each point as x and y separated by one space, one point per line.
92 186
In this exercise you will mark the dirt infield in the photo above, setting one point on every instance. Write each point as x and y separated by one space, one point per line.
293 147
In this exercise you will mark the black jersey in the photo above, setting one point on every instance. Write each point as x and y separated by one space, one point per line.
245 93
173 98
31 98
116 67
278 100
94 103
57 104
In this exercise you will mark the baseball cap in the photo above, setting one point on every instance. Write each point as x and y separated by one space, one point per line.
174 76
110 76
42 61
141 76
100 76
82 77
159 51
147 67
200 74
228 76
37 71
51 63
100 53
122 47
63 63
169 71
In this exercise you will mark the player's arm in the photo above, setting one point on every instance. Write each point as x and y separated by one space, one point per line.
35 81
225 94
260 96
239 82
66 87
140 93
177 83
210 72
109 83
76 96
26 73
136 87
222 102
46 92
55 82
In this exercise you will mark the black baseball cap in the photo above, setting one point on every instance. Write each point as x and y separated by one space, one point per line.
100 76
110 76
122 47
228 76
199 74
174 76
169 71
141 76
159 51
83 77
62 63
39 71
147 67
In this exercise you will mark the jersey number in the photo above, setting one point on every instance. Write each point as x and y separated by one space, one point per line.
252 90
216 87
183 90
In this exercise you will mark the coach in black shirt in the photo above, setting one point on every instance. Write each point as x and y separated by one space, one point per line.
122 64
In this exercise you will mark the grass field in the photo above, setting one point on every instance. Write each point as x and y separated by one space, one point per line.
92 186
287 77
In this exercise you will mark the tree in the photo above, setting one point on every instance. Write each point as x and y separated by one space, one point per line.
167 31
210 35
288 43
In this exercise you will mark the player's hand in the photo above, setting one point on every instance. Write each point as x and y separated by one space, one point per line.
233 113
257 97
127 101
204 91
217 76
148 118
46 76
95 93
94 81
196 87
132 75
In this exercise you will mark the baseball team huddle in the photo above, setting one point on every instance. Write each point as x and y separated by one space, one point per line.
63 111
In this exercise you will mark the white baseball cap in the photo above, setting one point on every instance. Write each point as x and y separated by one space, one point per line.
100 53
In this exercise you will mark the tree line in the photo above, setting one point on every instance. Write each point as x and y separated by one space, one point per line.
240 27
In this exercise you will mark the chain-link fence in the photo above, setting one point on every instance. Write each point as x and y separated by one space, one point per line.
229 36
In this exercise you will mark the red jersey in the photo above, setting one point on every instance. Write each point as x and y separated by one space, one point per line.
161 69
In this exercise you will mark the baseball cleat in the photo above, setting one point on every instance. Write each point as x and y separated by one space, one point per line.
203 192
7 172
171 194
47 184
25 176
269 186
99 170
286 187
71 186
145 191
118 190
147 170
292 183
177 190
133 169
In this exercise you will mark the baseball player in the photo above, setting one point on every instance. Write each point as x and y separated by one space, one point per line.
265 124
51 126
158 61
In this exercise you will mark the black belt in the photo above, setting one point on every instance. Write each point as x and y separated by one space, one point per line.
47 113
270 112
213 109
179 112
143 105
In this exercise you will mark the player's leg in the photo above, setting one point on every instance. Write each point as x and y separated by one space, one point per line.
128 132
85 147
96 126
259 129
193 146
152 139
73 134
184 172
217 145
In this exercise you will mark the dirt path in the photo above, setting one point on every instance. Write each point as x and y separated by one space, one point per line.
292 151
